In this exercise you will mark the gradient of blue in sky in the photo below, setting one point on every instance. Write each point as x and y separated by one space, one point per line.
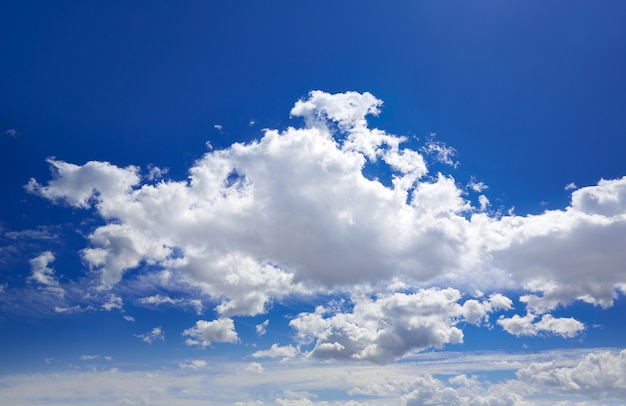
162 263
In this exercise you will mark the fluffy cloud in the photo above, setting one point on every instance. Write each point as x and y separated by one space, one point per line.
525 326
217 331
428 390
293 212
391 325
600 375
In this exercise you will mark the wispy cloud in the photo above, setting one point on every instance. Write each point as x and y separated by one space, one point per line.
153 335
574 376
12 132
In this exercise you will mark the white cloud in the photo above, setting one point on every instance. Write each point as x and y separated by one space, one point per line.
443 153
293 212
206 332
153 335
12 132
157 300
597 375
600 375
129 318
95 357
477 187
44 275
254 368
156 172
391 325
571 186
566 327
114 302
68 309
484 202
261 329
277 351
194 364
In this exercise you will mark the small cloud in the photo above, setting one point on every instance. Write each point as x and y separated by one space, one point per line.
254 368
129 318
476 186
194 364
440 151
276 351
156 173
44 275
206 332
156 333
115 302
157 300
571 186
48 361
527 326
95 357
251 123
219 127
261 328
72 309
12 132
484 202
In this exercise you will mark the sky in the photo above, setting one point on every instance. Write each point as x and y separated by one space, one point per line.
312 203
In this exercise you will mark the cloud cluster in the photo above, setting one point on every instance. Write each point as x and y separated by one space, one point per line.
294 212
600 375
596 378
525 326
391 325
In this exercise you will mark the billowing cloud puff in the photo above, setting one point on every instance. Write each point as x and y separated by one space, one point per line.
525 326
206 332
600 375
391 325
294 212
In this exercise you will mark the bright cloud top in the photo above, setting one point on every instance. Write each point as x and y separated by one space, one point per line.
293 212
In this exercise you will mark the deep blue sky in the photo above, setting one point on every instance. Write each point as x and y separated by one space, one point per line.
513 87
531 95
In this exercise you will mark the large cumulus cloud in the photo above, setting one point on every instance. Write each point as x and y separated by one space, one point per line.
294 212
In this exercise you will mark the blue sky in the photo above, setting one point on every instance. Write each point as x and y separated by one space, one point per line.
312 204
